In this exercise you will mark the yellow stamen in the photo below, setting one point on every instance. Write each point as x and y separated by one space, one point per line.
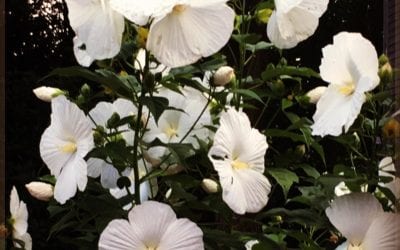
171 132
69 147
179 8
151 248
347 89
236 164
353 247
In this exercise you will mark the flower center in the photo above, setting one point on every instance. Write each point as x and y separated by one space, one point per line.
69 147
353 247
171 132
178 9
347 89
236 164
151 248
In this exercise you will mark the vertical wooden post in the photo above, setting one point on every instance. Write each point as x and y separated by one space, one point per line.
391 45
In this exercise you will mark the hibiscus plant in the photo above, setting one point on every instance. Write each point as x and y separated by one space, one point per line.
176 141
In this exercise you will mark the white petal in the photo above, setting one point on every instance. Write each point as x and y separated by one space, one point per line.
207 28
19 213
139 11
119 235
383 233
256 188
353 214
94 167
335 110
101 113
81 54
14 201
167 42
50 144
109 176
27 239
97 26
294 21
151 219
349 58
124 107
198 31
73 175
182 234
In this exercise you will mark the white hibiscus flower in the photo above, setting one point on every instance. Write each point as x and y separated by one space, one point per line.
19 221
100 115
362 221
63 146
152 225
350 65
238 156
181 31
98 30
173 125
294 21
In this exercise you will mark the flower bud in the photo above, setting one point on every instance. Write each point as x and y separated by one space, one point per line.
315 94
168 193
47 93
223 76
391 128
210 186
40 190
263 15
386 73
142 34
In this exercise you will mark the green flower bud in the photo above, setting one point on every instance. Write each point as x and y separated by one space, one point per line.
263 15
113 121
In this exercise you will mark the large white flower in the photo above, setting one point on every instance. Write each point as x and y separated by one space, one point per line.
63 146
19 220
182 31
238 156
294 21
98 30
173 125
350 65
362 221
152 225
100 115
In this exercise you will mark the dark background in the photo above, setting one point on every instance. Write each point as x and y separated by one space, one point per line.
37 42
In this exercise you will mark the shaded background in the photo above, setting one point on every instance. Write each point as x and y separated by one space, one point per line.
39 39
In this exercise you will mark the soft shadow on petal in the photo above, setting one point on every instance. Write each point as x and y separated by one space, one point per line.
119 235
182 234
151 220
352 214
383 233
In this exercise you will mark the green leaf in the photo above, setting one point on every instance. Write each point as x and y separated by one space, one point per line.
310 171
246 38
259 46
273 72
249 93
284 177
48 178
103 77
155 104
